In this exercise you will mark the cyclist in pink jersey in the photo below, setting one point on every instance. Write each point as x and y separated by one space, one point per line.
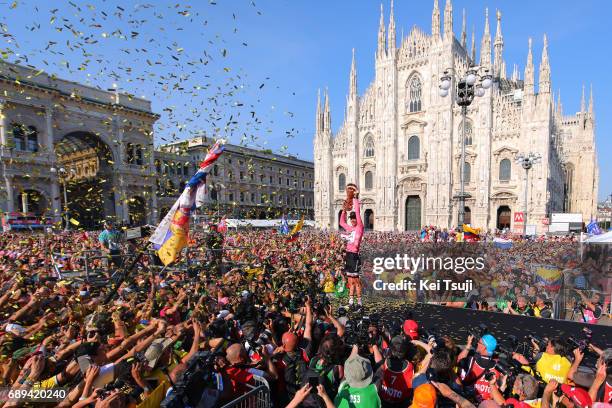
353 236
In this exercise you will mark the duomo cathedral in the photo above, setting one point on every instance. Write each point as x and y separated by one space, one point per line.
401 140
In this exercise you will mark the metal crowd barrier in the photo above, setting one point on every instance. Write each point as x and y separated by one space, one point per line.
85 258
258 396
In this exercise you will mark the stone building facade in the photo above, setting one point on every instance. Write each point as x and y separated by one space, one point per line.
103 140
248 183
401 141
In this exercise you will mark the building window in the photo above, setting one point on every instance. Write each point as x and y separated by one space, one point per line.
414 148
252 197
216 170
369 180
414 92
467 172
341 182
213 194
231 197
186 169
139 155
270 179
158 166
25 138
241 175
469 132
505 170
369 147
242 196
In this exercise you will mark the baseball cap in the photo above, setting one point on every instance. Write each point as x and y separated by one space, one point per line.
489 342
579 396
358 371
424 396
411 329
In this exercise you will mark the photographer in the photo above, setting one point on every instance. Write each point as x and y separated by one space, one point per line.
525 388
477 367
520 307
541 308
240 372
551 363
357 390
395 386
291 367
591 308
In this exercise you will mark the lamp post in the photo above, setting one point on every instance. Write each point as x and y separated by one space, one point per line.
474 83
527 162
63 173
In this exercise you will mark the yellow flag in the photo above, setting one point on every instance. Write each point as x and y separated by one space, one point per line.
298 226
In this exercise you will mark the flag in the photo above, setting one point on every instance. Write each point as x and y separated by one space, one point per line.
470 234
502 243
294 232
593 228
549 276
284 228
171 235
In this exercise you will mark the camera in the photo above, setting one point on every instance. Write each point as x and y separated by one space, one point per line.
583 342
541 343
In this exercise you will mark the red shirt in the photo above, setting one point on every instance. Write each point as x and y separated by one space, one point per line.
396 386
239 378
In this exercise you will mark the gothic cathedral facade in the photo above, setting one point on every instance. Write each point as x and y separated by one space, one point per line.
401 140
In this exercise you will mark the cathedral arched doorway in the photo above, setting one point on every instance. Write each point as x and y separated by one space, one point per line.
368 220
32 202
88 164
467 216
504 215
413 213
138 211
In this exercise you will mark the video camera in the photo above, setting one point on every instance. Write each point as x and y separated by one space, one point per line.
356 332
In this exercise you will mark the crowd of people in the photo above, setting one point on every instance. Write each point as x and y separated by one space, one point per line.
261 309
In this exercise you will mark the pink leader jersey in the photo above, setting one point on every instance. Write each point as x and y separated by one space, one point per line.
354 234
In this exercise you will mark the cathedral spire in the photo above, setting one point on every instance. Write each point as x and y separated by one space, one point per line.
318 123
435 21
582 103
591 103
559 106
327 114
515 73
498 47
473 46
544 77
391 34
448 20
529 72
353 77
382 48
463 32
485 46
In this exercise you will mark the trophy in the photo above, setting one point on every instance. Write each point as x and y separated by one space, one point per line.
351 192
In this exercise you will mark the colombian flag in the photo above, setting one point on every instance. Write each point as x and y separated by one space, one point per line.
294 232
470 234
172 233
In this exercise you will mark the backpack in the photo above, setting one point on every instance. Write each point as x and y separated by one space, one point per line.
295 368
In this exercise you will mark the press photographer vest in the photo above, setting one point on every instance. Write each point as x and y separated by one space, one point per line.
553 366
589 316
474 376
396 386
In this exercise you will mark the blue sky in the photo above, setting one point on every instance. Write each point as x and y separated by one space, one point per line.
250 69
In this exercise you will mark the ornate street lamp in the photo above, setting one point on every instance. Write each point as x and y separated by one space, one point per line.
527 163
63 175
474 83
